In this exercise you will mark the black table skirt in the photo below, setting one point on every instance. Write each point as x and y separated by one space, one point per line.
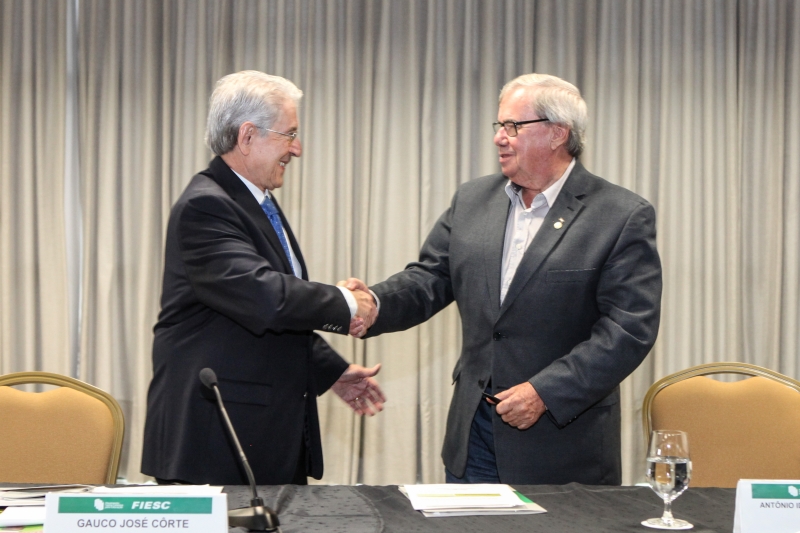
570 508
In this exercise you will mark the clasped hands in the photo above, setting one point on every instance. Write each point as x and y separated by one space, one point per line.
367 312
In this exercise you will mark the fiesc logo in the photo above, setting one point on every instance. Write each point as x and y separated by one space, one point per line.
150 505
102 505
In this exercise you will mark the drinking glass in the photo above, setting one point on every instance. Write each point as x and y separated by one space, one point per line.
668 472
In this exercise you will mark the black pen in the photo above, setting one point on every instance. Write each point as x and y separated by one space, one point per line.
488 396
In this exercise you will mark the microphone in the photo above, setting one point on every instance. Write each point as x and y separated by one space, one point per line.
257 517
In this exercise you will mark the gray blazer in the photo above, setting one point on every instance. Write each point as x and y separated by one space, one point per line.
580 315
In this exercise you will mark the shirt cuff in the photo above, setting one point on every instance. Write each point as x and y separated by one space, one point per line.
377 300
351 301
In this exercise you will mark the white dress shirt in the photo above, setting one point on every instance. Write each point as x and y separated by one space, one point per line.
523 224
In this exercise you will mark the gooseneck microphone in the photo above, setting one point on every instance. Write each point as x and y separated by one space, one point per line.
257 517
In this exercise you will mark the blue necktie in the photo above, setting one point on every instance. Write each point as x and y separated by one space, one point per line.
275 219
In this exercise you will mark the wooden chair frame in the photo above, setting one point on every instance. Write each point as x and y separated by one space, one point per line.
704 370
48 378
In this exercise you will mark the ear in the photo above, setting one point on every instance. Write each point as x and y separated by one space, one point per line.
560 135
247 134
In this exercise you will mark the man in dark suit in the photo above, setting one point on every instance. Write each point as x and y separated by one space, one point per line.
236 298
558 282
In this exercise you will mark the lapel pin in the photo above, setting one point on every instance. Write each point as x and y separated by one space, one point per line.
559 224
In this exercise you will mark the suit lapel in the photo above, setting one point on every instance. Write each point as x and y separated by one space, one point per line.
494 237
565 210
233 186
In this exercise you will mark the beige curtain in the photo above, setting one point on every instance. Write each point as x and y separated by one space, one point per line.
124 153
694 105
34 308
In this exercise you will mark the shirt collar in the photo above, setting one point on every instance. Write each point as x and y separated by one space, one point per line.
257 194
550 194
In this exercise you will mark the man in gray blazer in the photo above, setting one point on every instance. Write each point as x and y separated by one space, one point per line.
558 282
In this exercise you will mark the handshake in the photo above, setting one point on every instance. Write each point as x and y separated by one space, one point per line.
367 306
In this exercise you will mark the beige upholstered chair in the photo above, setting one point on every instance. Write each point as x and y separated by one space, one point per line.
71 434
748 429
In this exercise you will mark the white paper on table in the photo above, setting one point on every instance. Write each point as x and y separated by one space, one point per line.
34 495
457 495
185 490
22 516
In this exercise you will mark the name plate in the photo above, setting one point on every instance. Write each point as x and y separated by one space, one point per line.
767 505
168 513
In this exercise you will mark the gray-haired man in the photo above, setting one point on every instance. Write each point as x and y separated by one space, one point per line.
236 298
558 282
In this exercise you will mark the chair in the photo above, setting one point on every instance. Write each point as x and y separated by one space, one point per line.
749 429
72 434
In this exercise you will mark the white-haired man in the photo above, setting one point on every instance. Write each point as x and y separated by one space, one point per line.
236 299
558 282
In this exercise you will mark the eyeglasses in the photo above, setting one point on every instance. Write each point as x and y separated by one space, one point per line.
292 135
511 127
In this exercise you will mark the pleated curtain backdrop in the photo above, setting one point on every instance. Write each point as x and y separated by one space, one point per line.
695 105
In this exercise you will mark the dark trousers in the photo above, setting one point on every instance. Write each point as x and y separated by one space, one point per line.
481 462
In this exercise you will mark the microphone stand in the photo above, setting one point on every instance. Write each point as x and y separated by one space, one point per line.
257 517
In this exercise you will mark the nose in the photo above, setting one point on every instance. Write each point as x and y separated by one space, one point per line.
296 148
501 137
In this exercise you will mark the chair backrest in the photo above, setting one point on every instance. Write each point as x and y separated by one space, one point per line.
748 429
72 434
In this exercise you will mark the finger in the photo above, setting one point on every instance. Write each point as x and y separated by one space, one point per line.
356 284
357 326
375 390
355 404
504 409
369 372
504 394
363 407
370 409
342 283
374 395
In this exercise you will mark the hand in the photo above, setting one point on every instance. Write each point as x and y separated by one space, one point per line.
367 312
354 284
366 307
358 390
357 328
520 406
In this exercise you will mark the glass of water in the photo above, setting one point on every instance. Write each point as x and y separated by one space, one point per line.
669 470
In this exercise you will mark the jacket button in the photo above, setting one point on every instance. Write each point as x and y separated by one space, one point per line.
481 383
497 336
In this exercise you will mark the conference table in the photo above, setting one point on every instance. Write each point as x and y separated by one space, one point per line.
570 508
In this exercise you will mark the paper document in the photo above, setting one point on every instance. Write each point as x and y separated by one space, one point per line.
22 516
467 500
453 495
34 495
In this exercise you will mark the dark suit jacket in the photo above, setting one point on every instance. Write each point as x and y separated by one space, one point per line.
231 303
580 315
